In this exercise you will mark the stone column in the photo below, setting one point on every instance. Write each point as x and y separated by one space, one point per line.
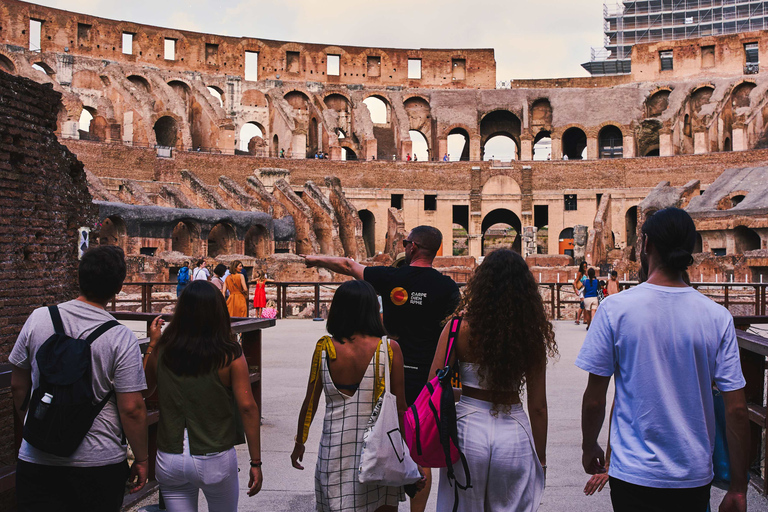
592 149
739 139
665 144
475 214
526 149
557 149
529 241
474 149
700 145
580 235
442 149
629 146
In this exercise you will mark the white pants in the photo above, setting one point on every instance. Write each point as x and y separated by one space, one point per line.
504 468
182 475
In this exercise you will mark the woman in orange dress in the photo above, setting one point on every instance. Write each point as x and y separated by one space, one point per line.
260 294
237 303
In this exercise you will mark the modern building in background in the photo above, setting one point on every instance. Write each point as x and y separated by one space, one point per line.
649 21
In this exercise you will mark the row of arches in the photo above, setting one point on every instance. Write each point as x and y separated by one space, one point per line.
186 238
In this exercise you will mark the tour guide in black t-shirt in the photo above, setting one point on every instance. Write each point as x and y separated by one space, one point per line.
416 298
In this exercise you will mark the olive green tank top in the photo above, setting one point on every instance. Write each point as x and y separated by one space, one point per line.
202 405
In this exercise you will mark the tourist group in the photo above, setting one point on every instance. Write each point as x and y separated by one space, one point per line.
416 374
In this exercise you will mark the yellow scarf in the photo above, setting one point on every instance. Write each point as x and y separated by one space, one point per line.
326 344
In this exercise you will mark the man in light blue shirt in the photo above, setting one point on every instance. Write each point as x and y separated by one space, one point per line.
665 344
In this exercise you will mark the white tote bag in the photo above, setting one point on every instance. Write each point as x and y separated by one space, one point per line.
385 459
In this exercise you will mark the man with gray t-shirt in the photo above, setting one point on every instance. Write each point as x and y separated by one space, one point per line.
93 478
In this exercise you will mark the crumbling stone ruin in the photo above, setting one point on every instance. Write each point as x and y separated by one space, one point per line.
190 121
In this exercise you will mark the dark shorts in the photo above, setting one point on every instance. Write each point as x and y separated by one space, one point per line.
626 497
70 489
415 380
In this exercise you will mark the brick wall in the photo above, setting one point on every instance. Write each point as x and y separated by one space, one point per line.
43 200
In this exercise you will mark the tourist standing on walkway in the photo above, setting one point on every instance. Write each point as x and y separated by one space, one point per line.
578 287
201 376
613 284
348 367
502 346
665 344
201 272
92 478
591 287
218 277
237 303
182 278
260 293
416 298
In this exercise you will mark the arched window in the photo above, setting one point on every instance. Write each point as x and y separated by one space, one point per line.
420 147
113 232
221 240
575 144
458 145
166 131
611 142
247 133
501 229
183 238
369 231
378 109
542 146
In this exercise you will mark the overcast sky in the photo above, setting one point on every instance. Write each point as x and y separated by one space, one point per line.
532 38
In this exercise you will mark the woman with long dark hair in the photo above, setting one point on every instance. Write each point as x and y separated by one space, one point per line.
202 382
237 302
590 285
502 348
349 367
578 287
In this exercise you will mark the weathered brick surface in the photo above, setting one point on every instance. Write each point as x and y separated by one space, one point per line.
44 198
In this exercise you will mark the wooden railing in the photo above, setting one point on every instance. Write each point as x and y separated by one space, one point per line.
754 350
557 296
249 331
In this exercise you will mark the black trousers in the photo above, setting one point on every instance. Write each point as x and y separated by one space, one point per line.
626 497
70 489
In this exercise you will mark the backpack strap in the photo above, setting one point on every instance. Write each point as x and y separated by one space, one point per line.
58 325
101 330
455 324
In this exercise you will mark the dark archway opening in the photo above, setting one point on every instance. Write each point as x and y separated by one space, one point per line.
542 146
221 240
183 238
745 239
257 242
574 144
166 131
630 225
7 65
698 246
501 229
369 231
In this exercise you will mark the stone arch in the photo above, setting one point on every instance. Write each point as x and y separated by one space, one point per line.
252 138
7 64
501 216
338 102
253 98
745 239
727 146
657 102
610 142
185 234
221 240
297 100
275 146
140 83
574 143
541 114
420 145
419 112
166 131
369 231
257 242
217 93
731 200
700 96
698 245
92 125
500 122
113 232
542 145
740 94
347 153
379 108
457 142
647 136
630 226
44 68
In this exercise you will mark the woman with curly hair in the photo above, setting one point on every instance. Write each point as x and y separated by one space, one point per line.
503 345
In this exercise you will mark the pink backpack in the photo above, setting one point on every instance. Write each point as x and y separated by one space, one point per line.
430 423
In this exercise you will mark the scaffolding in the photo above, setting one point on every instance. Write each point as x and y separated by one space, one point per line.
647 21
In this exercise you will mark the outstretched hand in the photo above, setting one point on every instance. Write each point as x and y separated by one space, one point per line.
596 484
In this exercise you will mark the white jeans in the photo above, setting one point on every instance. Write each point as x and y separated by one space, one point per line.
505 470
182 475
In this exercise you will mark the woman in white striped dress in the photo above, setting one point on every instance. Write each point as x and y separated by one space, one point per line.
348 366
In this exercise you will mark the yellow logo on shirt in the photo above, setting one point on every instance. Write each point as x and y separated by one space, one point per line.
398 296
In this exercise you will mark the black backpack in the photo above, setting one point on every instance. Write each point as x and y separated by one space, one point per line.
58 424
